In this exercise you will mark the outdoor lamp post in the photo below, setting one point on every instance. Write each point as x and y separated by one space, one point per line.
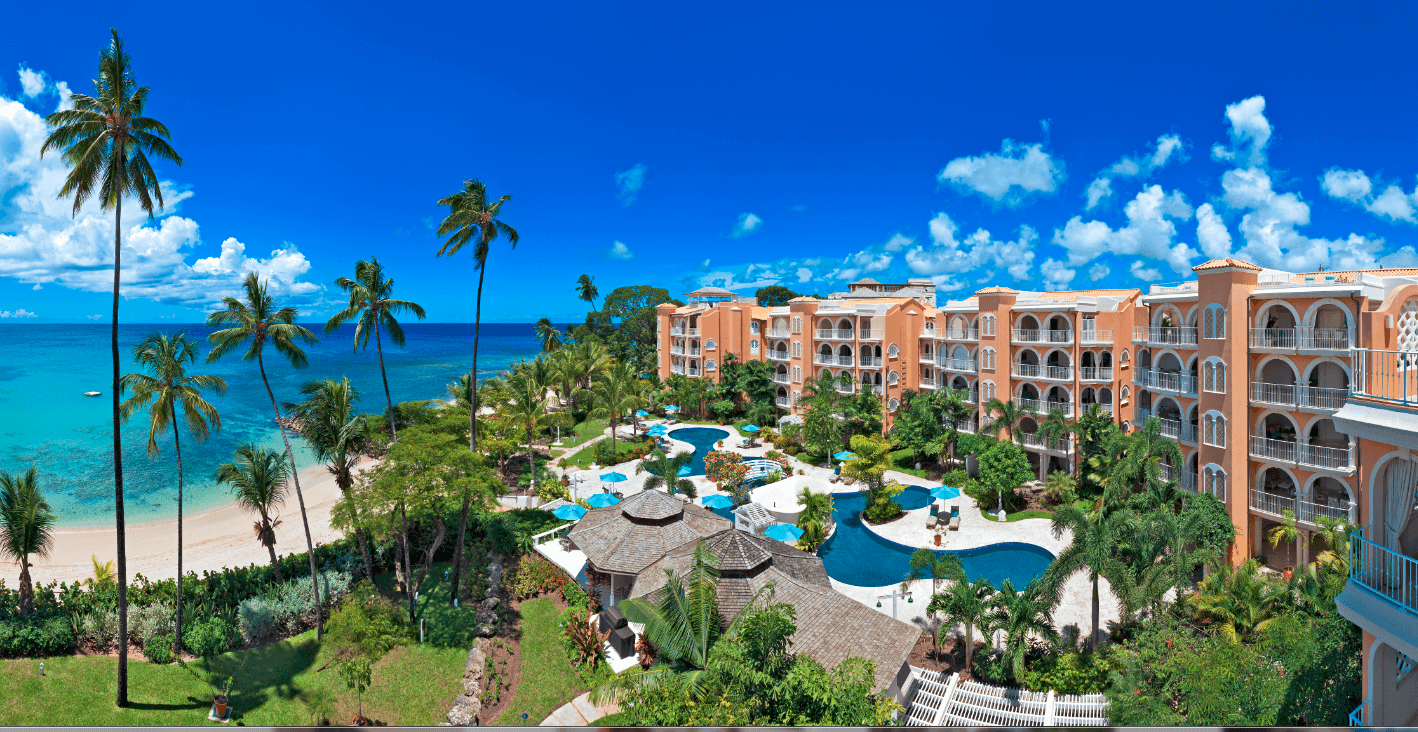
894 597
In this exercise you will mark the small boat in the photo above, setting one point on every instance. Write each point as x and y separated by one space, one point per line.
92 393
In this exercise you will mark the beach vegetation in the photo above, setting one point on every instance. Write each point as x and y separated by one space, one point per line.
586 290
966 603
290 608
664 473
257 478
26 527
627 325
337 434
548 337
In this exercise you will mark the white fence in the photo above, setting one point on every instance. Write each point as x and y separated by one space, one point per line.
934 700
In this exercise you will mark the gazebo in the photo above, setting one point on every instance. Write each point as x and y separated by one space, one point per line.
753 518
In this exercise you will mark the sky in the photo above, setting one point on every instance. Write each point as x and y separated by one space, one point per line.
1035 146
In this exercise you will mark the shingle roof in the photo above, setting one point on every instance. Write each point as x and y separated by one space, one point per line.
831 626
1227 262
865 281
736 551
615 542
652 506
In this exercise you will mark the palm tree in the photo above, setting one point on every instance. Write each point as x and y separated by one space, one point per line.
472 219
927 564
967 603
337 433
1288 530
547 335
614 394
462 391
370 302
257 478
528 408
1020 614
169 386
259 321
1009 416
1238 601
1094 548
1139 469
664 473
26 526
107 142
1054 426
586 289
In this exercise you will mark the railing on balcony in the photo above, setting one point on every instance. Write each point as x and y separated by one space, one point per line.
928 383
968 365
825 359
1172 428
931 333
691 331
927 357
677 350
1084 407
778 333
676 369
1058 373
967 426
1166 336
1186 480
867 334
1391 376
1096 373
777 355
1383 570
869 362
1314 339
692 352
1041 336
1036 442
694 372
845 360
1026 370
844 388
780 378
1303 397
1325 457
1173 381
781 401
1043 408
1036 371
676 331
1096 337
1277 504
962 334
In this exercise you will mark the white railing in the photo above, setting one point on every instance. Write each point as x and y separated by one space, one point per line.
691 331
1181 336
1324 457
677 350
967 426
929 332
825 335
845 360
549 534
1096 373
1063 446
968 365
1175 429
676 369
1304 397
692 352
1314 339
825 359
1043 408
867 334
928 384
1092 337
779 333
1391 376
1384 571
1041 336
1277 504
777 355
694 372
1186 480
844 388
1104 408
780 378
1166 381
936 700
1058 373
962 334
1026 370
875 389
869 362
781 401
677 331
927 357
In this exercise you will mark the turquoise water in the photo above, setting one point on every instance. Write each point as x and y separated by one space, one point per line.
914 497
857 556
703 439
48 422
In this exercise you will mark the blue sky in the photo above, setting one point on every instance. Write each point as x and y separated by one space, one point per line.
1034 146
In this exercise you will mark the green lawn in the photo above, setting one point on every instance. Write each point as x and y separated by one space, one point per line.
587 456
902 461
548 681
1019 515
582 432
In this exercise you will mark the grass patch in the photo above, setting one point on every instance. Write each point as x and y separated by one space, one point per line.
582 432
903 461
1018 515
548 681
623 450
619 719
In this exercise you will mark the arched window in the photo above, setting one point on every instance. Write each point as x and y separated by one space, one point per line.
988 392
1214 322
1123 359
709 344
753 344
797 375
797 349
892 377
1214 481
1214 429
797 325
796 394
709 366
987 325
894 403
1123 396
892 350
1213 376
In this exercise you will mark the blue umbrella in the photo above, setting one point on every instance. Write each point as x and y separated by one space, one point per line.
783 532
717 501
641 413
672 408
749 428
684 471
845 455
946 492
658 429
614 478
569 512
601 500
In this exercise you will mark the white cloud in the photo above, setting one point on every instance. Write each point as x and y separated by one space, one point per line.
948 256
1057 275
1211 233
62 89
37 287
1404 257
1250 131
1145 273
629 182
804 274
1350 185
1269 226
897 242
620 251
31 82
1149 231
1098 190
21 313
996 175
1354 186
1395 204
47 244
1098 271
748 223
95 316
1139 166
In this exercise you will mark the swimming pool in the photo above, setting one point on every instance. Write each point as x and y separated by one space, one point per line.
703 439
855 555
913 497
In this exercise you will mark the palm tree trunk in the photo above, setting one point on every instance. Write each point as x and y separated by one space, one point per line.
299 497
477 331
458 555
26 586
532 458
1095 612
379 345
122 559
177 450
275 562
408 564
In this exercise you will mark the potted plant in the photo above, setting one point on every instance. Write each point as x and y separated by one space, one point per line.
219 702
937 538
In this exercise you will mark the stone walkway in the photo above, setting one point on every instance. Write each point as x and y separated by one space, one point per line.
579 712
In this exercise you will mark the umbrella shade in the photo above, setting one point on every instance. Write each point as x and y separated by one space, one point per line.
601 500
684 471
749 428
569 512
845 455
783 532
672 408
717 501
614 477
658 429
946 492
641 413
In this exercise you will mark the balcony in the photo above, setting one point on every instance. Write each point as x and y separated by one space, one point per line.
779 333
824 335
677 350
1185 480
691 331
963 334
1043 408
1390 376
677 331
1302 339
676 369
780 378
1309 398
692 352
928 384
1060 337
1026 370
867 334
825 359
694 372
781 401
1275 504
1304 454
1170 381
1390 574
1103 408
870 363
928 357
845 360
1096 337
1035 442
1171 428
1058 373
777 355
931 333
967 426
1096 373
844 388
1185 337
966 365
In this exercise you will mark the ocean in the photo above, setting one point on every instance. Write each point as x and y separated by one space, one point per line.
46 421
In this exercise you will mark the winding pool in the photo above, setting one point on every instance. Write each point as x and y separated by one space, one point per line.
703 439
855 555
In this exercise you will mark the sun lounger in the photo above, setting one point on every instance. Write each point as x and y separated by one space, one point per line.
954 523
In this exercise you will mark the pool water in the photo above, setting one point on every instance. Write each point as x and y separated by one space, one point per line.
703 439
913 497
857 556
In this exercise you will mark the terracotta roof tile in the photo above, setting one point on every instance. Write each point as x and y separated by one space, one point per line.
997 290
1227 262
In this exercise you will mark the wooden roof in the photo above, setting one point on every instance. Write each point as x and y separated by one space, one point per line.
616 542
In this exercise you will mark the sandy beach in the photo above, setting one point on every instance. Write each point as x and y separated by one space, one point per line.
214 538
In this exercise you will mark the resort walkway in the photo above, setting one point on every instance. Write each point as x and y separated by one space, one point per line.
579 712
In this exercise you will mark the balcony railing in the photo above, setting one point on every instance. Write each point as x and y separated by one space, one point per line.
691 331
968 365
824 335
1026 370
869 362
1383 570
867 334
929 384
1043 408
1357 717
932 333
677 350
777 355
1186 480
1312 339
1391 376
1063 446
781 401
962 334
1096 337
825 359
692 351
1324 457
1096 373
780 378
1171 428
1173 381
1277 504
1303 397
967 426
779 333
1058 373
676 331
845 360
844 389
1084 407
676 369
1166 336
1041 336
927 357
694 372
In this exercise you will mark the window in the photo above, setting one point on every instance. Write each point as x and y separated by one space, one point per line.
753 344
709 366
988 392
709 344
796 395
892 350
892 377
987 325
1123 359
1123 397
1214 481
894 403
1213 376
753 327
1214 322
1214 429
797 375
797 349
797 325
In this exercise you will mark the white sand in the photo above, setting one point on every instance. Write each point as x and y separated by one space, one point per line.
214 538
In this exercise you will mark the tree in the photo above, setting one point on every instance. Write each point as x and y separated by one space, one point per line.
628 324
774 296
614 394
1003 468
1237 601
547 335
873 457
927 564
967 603
684 624
1288 530
107 143
472 218
370 302
257 479
586 289
337 434
357 675
822 418
918 424
814 518
664 473
167 388
259 321
1021 614
1009 416
26 527
1054 426
1094 547
1095 430
528 408
1139 468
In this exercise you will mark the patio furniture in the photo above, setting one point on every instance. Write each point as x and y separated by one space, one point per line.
611 618
567 544
955 511
622 641
954 523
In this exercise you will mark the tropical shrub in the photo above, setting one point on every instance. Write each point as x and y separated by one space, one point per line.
288 609
209 636
725 468
533 576
1072 673
158 649
367 623
146 622
37 634
97 629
